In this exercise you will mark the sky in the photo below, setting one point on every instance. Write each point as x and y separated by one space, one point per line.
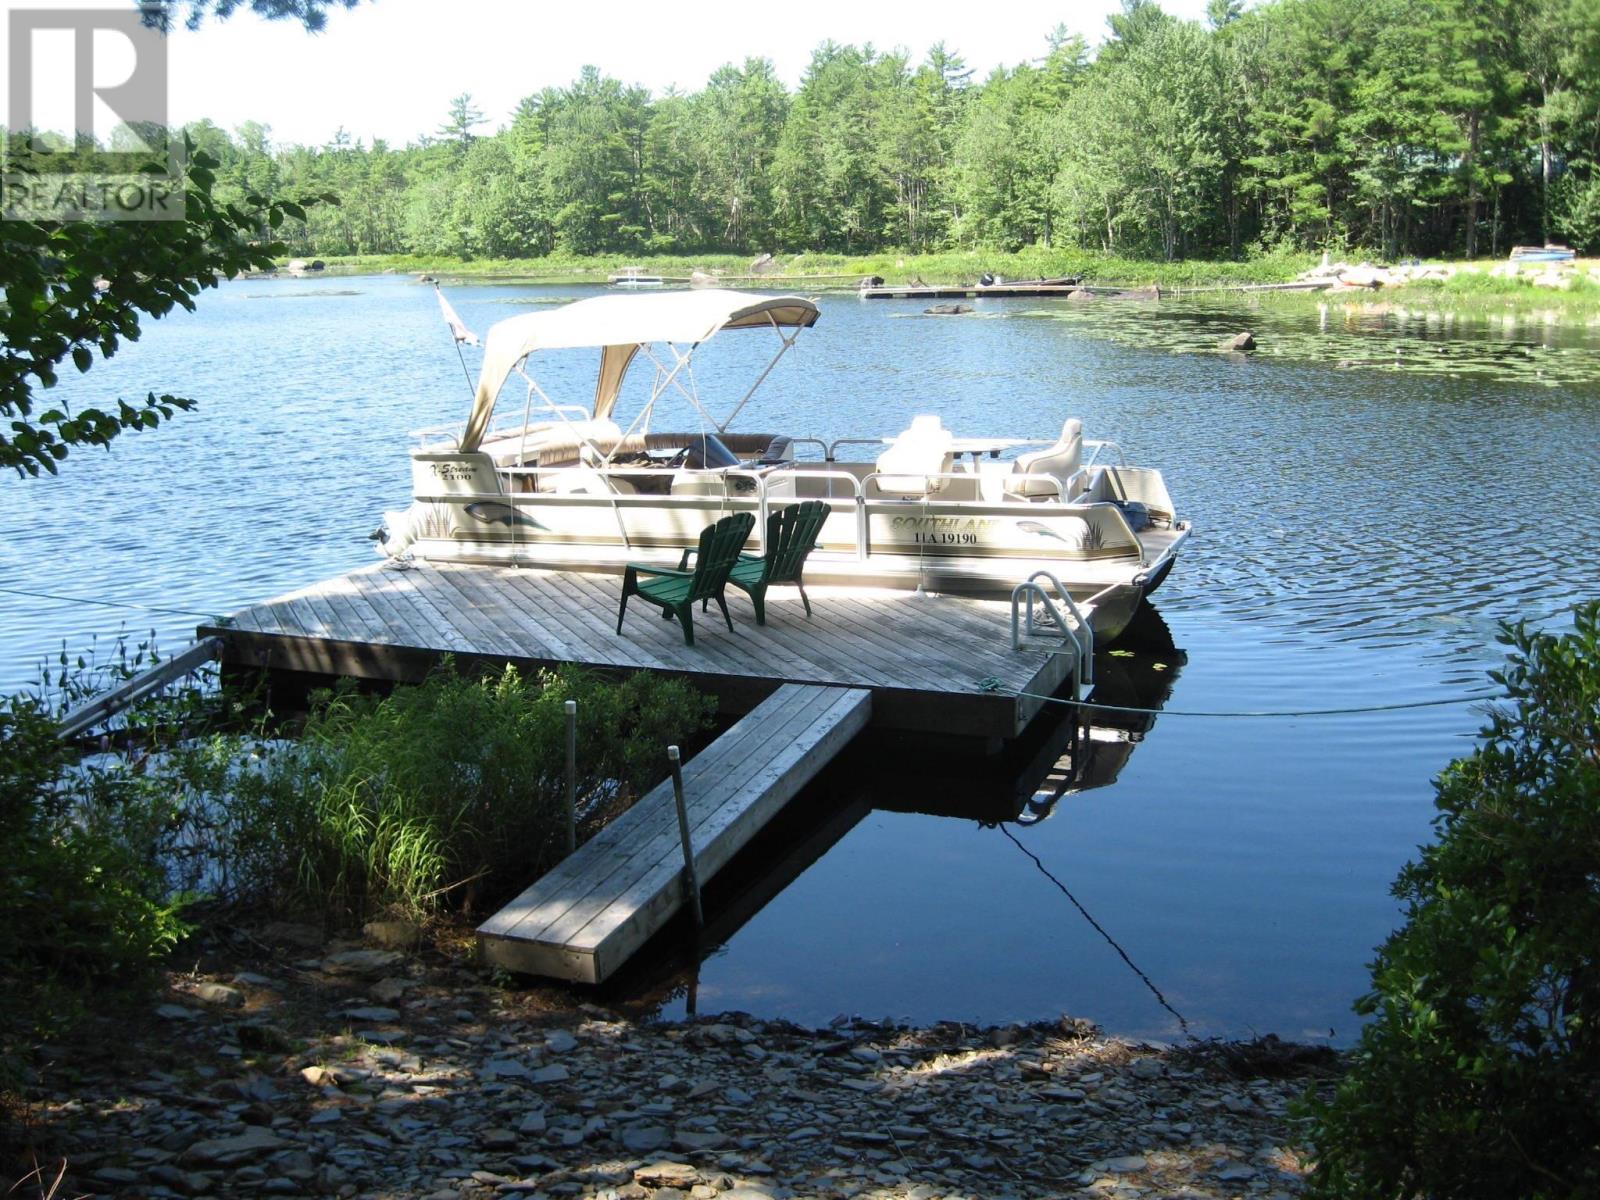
389 68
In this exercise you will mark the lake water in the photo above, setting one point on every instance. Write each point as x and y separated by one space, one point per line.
1359 532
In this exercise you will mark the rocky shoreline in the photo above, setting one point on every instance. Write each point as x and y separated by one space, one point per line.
310 1069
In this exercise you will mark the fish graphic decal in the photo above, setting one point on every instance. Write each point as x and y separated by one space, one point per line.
1041 529
1088 537
495 512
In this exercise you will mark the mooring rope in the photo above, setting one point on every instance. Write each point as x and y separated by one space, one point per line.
1100 929
178 612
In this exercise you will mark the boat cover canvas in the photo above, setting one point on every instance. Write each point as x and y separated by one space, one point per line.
618 326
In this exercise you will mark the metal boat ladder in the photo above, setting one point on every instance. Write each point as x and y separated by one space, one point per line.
1061 616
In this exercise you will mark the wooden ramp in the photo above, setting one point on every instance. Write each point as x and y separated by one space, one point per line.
584 919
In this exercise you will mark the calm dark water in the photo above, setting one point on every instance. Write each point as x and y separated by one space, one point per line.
1359 534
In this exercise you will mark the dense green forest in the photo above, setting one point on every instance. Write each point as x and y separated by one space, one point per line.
1399 127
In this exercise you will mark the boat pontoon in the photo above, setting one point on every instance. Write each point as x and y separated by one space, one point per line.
566 486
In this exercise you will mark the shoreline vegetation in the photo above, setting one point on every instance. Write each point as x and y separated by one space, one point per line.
838 271
1468 286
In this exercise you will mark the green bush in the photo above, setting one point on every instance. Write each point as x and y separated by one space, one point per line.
1479 1074
85 900
1576 205
450 791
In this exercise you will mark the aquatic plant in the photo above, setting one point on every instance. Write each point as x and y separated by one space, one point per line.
1383 335
1477 1074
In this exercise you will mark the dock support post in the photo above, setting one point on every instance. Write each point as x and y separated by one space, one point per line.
572 775
683 834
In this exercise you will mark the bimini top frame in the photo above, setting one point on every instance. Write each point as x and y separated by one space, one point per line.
620 326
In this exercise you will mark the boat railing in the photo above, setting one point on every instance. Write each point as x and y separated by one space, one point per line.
1022 508
441 432
500 425
855 497
972 446
512 422
827 454
1078 631
929 493
833 446
855 494
1096 445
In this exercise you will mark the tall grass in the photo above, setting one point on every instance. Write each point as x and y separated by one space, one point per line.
444 794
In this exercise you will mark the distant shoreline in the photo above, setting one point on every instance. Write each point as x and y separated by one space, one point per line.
831 271
1478 285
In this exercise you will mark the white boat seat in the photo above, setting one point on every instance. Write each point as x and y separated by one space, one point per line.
912 466
1049 472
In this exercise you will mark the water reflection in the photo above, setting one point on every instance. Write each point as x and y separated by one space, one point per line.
1068 750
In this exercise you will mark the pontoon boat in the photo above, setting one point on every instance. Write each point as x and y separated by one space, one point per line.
566 486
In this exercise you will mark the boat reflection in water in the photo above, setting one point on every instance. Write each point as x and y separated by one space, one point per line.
1067 750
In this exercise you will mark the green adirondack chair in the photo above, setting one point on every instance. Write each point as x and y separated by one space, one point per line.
675 591
791 535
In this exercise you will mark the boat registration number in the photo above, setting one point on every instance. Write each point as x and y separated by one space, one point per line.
941 531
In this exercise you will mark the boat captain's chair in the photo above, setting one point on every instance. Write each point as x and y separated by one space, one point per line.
1048 473
918 461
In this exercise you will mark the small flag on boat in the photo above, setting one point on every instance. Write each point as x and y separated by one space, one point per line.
458 327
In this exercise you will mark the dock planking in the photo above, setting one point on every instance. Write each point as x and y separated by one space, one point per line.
583 919
933 663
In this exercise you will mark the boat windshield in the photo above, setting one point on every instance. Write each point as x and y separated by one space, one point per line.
707 452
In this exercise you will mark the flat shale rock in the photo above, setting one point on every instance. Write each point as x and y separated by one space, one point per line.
481 1102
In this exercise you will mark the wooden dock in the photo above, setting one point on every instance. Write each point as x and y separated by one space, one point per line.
583 919
806 686
937 664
